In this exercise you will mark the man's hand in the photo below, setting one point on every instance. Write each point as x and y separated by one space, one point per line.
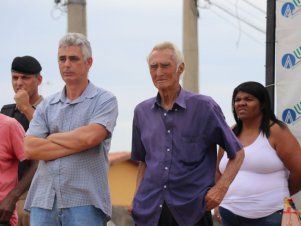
7 207
22 100
214 197
130 210
23 104
216 194
217 215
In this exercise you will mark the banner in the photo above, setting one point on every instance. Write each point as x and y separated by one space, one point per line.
288 63
288 66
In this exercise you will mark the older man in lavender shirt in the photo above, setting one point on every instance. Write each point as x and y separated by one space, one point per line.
175 136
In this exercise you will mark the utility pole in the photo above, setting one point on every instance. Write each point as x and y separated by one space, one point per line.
190 45
270 50
77 16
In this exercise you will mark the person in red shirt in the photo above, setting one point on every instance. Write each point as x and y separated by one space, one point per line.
26 78
11 152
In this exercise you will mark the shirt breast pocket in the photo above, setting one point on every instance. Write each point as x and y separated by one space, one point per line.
193 148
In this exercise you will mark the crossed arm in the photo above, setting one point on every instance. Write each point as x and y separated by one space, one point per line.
58 145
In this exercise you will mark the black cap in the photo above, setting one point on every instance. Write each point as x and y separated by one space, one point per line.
26 65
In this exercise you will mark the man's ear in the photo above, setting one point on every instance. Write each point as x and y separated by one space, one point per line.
89 62
40 79
181 68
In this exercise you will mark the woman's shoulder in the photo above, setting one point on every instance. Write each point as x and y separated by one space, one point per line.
280 132
278 127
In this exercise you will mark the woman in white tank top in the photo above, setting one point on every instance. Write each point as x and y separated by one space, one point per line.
272 166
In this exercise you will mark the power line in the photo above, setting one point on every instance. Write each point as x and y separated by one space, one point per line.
254 6
239 8
236 16
234 25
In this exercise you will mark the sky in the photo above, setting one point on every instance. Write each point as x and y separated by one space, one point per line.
122 33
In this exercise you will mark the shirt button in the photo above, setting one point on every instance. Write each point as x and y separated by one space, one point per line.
166 168
176 109
165 114
168 131
164 186
167 149
160 206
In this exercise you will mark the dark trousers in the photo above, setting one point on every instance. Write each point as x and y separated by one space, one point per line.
231 219
166 218
4 224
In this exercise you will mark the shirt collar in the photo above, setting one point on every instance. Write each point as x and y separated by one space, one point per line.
180 101
88 93
38 101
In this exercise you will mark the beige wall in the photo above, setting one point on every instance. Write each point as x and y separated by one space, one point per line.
122 182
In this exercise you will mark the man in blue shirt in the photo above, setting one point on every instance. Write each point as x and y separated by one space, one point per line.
175 136
70 134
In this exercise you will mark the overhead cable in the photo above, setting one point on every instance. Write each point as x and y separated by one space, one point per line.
236 16
234 25
254 6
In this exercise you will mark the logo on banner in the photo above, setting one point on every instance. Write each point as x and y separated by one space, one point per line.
290 60
291 8
291 115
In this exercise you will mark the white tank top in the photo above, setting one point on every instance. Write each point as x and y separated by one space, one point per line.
261 184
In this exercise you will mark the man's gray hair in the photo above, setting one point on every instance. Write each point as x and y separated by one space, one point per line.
178 56
77 39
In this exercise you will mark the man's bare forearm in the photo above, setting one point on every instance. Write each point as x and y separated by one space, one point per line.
81 138
43 149
231 170
24 183
216 194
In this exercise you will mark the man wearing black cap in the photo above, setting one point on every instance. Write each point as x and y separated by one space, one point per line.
26 78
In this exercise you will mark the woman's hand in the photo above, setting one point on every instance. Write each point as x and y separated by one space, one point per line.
217 215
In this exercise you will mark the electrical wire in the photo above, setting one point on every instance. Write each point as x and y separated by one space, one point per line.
255 7
238 21
58 9
57 12
238 7
238 17
242 30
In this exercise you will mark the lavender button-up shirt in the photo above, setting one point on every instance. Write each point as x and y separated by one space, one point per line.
179 149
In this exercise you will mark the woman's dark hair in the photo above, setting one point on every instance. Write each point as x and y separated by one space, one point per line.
268 117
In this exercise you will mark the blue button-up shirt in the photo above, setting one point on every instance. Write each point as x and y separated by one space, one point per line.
79 179
179 149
